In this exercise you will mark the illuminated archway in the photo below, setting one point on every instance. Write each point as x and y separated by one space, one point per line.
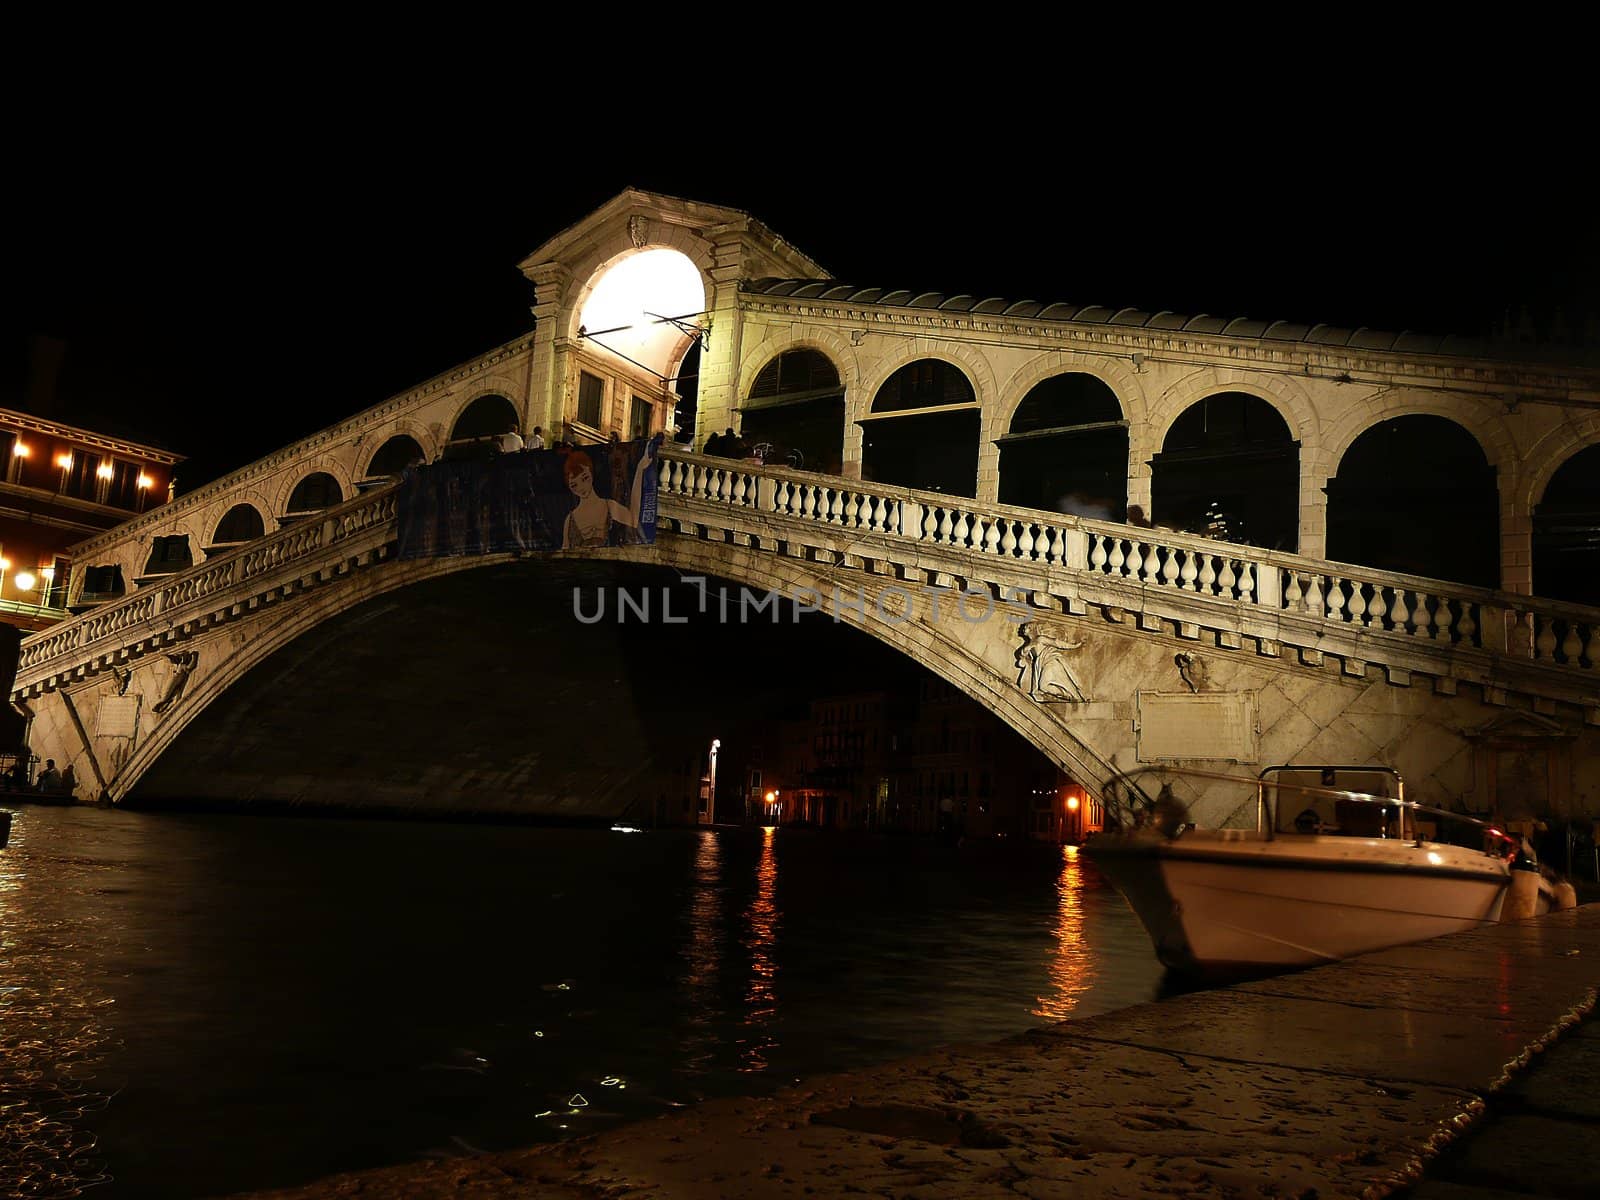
639 306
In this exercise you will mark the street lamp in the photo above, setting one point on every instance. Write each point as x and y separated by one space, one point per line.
711 800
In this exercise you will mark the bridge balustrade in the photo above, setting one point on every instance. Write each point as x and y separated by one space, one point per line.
1423 610
1399 609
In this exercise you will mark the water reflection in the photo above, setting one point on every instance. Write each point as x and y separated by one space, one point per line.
52 1030
1072 966
702 953
761 940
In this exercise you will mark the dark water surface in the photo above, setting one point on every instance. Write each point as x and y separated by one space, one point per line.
192 1005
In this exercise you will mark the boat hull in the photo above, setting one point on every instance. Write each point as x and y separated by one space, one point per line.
1233 903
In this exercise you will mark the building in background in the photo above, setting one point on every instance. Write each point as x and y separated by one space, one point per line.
63 484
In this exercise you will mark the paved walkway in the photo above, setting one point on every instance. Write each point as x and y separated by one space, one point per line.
1341 1081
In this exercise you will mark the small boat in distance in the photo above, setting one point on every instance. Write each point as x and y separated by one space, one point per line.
1340 863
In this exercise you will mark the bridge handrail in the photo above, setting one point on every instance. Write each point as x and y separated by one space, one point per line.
301 540
1373 600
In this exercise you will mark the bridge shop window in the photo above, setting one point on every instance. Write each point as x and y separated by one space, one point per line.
100 583
1067 450
168 555
796 406
923 430
591 399
315 492
241 523
1566 532
1416 494
638 417
394 456
1229 469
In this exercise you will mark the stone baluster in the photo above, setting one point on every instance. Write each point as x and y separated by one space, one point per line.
1336 601
1150 572
836 507
1591 646
1008 543
1136 562
1293 597
1544 645
1227 579
1313 598
1117 556
1400 614
1025 542
947 529
1376 608
1169 569
1357 604
1466 627
1442 619
991 537
959 533
1246 582
1097 556
1572 645
738 490
1208 575
1190 573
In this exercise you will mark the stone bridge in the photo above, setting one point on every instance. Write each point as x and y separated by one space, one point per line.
1111 648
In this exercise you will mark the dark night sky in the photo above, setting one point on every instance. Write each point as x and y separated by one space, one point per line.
224 295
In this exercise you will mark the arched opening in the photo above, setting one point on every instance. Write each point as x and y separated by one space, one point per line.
796 408
1229 469
100 583
168 555
398 453
1416 494
923 430
241 523
487 416
1067 449
314 493
687 386
1566 532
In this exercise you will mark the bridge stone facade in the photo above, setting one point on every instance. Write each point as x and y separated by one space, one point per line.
1114 649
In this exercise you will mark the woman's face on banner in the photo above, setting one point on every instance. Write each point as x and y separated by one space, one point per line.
582 483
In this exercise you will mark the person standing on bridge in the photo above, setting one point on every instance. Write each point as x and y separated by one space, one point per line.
49 778
509 442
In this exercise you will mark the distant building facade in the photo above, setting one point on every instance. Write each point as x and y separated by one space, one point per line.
64 484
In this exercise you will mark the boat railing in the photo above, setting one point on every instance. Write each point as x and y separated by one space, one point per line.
1358 800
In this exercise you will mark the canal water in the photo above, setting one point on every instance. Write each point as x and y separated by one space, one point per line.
192 1005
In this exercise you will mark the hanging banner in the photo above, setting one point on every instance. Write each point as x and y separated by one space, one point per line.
531 500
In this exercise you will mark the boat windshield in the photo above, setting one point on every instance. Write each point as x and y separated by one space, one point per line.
1352 801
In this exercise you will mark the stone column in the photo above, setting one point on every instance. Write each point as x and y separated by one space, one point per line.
546 400
719 365
1313 535
1516 541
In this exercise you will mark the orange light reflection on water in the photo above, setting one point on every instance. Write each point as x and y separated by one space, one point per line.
761 997
1072 967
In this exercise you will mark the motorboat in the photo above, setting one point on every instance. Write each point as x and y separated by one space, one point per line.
1340 863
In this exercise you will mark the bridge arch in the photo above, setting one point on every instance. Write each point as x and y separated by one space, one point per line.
1035 472
396 452
813 421
971 365
1566 516
227 657
243 522
1417 494
486 413
313 491
588 270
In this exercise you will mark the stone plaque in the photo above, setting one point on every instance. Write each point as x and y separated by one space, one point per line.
1219 725
118 716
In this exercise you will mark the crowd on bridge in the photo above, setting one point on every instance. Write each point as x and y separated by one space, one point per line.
18 777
